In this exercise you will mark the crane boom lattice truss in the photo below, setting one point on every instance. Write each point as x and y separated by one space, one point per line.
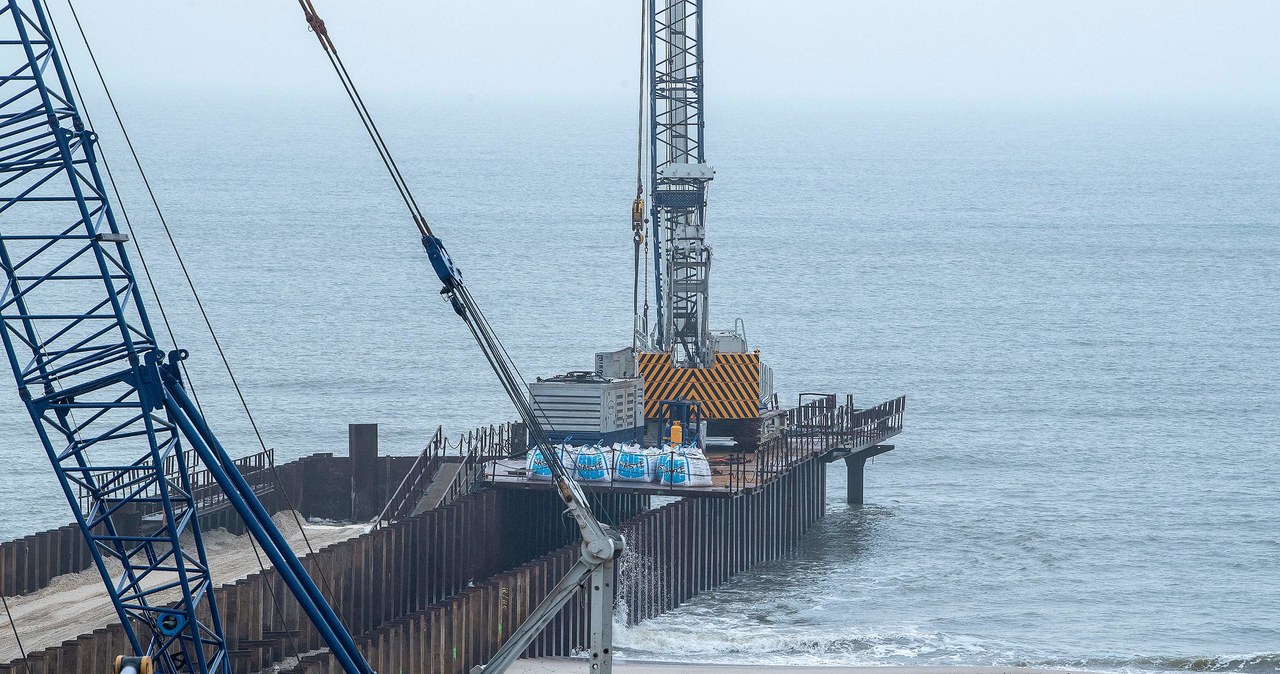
85 356
678 181
108 404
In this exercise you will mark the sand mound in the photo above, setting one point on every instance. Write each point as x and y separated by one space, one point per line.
77 603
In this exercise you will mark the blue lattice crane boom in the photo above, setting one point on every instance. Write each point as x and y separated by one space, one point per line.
107 399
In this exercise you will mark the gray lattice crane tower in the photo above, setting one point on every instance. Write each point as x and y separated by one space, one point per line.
679 177
683 360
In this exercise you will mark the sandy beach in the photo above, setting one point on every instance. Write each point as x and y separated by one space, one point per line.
77 603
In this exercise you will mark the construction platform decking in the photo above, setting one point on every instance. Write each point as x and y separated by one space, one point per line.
803 433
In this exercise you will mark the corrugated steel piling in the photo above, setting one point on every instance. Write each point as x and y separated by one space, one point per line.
441 590
676 552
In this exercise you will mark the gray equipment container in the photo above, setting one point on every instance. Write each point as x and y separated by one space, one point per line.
586 408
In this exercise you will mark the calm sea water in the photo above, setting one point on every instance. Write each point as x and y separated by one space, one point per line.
1078 300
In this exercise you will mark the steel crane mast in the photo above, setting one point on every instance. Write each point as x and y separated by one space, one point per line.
683 360
678 180
108 402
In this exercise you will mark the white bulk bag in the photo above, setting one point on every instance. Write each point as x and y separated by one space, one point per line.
655 462
633 463
536 465
684 467
594 464
568 457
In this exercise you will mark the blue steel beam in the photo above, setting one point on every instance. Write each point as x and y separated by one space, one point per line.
94 379
85 358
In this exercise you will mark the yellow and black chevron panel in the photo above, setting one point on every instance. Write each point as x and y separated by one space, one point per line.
729 389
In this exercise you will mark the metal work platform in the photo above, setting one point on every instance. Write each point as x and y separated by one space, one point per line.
819 430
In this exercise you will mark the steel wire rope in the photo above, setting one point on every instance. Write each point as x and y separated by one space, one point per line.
484 336
200 304
124 213
190 283
277 605
494 349
638 226
523 405
244 404
75 427
644 33
208 323
643 107
14 627
543 440
317 26
83 110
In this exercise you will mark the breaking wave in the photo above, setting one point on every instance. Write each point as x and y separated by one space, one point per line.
901 648
1251 663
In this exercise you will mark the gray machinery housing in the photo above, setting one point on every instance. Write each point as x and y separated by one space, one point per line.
585 408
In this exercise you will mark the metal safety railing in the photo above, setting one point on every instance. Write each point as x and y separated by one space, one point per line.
472 450
415 482
789 437
256 469
480 448
818 428
138 484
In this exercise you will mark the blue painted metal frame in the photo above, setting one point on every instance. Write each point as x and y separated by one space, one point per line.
108 406
676 128
687 412
86 359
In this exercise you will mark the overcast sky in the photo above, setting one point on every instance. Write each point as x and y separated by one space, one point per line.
782 49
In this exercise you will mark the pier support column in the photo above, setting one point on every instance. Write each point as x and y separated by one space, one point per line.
856 464
362 447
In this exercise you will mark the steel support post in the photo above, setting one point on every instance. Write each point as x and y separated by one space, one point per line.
602 618
856 465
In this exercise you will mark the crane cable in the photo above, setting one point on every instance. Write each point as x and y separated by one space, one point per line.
317 26
275 599
638 322
14 626
217 343
119 203
464 303
209 325
644 33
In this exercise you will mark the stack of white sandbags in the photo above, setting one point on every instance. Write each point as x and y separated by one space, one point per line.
671 465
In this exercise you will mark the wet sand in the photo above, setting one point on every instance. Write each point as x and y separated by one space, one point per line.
77 603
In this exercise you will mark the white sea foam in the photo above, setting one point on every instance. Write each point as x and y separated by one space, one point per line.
766 645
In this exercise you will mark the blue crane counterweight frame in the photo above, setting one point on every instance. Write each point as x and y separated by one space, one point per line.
108 405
